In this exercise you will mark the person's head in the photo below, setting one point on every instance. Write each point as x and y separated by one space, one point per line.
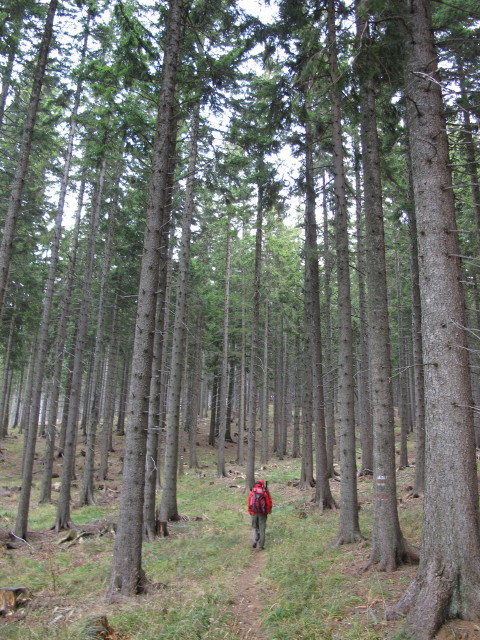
260 483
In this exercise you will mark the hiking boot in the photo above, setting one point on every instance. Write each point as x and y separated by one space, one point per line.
254 545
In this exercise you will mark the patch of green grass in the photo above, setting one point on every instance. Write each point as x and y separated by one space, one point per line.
41 516
203 617
307 588
86 514
11 631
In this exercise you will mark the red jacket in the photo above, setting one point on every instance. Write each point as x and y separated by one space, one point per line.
268 497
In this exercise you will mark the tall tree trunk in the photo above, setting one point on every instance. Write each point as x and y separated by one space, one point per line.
417 349
124 388
349 523
156 412
127 575
363 370
329 378
168 506
58 350
110 387
25 408
214 403
5 377
230 400
194 395
5 416
43 343
23 161
447 581
166 351
224 369
297 399
307 480
474 370
87 492
241 399
323 495
18 403
68 470
279 434
264 403
402 376
254 374
389 548
284 399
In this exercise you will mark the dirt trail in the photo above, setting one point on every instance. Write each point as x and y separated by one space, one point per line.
247 609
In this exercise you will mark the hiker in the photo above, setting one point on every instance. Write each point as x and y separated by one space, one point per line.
259 506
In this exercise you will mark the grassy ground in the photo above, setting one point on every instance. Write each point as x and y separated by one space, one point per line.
213 584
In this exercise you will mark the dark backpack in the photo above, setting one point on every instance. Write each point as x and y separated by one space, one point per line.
258 500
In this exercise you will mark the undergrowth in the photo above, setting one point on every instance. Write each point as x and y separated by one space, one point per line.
307 588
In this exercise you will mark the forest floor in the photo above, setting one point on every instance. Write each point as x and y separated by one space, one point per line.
213 585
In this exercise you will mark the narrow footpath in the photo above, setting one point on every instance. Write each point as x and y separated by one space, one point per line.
247 610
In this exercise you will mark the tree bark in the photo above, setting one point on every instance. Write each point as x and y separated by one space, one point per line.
323 495
59 347
297 399
194 395
447 583
24 502
329 377
127 575
254 374
168 506
241 399
6 374
68 470
389 548
349 530
264 403
110 387
307 480
156 413
87 492
122 403
224 369
402 376
417 357
364 410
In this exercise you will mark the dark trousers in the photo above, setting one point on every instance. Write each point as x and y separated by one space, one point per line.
259 524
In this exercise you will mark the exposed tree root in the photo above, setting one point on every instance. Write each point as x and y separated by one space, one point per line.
433 598
404 554
61 525
328 502
403 606
350 539
120 590
426 606
304 485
